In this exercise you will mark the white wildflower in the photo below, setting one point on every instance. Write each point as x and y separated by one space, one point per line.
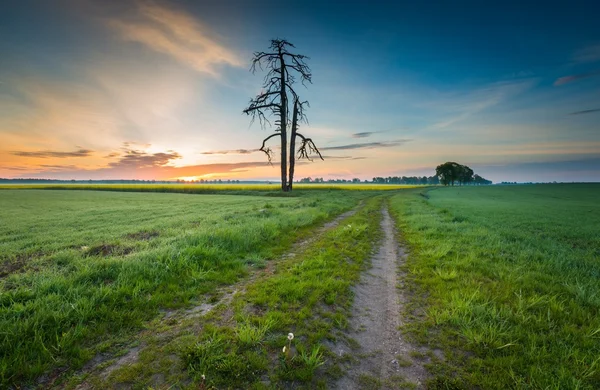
290 336
284 349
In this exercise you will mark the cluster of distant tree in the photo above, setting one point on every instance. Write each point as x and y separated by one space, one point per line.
321 180
216 181
431 180
378 180
451 172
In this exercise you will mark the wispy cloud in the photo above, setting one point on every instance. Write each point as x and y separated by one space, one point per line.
233 151
55 154
364 134
368 145
588 54
585 111
462 106
141 159
144 171
571 78
177 34
343 158
58 167
17 168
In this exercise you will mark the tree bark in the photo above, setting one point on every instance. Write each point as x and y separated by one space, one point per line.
293 145
283 124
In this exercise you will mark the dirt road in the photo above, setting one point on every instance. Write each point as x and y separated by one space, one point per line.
379 355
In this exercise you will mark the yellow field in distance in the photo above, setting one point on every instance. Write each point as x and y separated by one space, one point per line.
210 187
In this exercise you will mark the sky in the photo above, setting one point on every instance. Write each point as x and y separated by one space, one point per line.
100 89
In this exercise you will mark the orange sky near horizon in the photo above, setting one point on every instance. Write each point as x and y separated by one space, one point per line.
155 90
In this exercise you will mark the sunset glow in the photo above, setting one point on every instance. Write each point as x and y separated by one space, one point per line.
155 90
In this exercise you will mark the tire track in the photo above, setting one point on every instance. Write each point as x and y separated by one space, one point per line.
376 352
98 370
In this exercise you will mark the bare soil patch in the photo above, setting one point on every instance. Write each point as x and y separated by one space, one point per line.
17 264
12 266
143 236
106 250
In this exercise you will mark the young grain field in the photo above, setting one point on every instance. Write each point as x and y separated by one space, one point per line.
104 289
506 281
82 269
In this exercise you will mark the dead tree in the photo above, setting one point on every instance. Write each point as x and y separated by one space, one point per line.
283 69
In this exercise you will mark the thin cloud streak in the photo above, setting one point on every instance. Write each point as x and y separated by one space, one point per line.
364 134
50 154
59 167
585 112
576 77
588 54
176 34
464 106
140 159
233 151
368 145
343 158
17 168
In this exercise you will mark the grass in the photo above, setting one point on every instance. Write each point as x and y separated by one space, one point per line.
304 296
240 343
506 281
82 269
503 279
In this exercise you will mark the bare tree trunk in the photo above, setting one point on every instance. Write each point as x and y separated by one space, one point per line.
293 145
283 125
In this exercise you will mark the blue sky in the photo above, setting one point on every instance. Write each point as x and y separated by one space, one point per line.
155 89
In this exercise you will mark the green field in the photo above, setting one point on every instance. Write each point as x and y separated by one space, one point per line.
510 275
503 279
81 266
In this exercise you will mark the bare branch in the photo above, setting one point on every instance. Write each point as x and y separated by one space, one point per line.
307 147
268 151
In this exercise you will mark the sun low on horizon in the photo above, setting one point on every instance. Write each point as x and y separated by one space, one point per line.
155 90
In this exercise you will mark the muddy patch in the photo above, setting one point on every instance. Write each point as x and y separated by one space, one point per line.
17 264
106 250
143 235
12 266
129 358
375 353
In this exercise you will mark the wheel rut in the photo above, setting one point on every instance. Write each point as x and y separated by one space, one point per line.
97 369
375 351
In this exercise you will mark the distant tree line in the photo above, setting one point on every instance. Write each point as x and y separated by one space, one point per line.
432 180
321 180
424 180
450 173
